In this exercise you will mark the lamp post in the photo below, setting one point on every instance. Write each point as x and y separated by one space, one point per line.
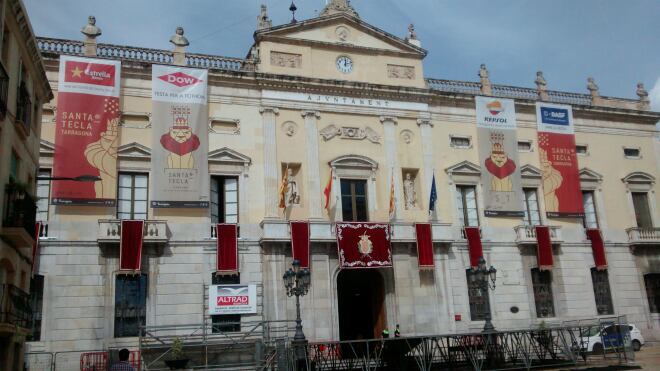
296 283
485 278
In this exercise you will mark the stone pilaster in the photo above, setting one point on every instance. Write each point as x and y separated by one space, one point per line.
312 169
269 115
425 127
389 126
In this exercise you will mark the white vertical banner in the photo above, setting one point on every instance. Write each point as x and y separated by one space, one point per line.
179 138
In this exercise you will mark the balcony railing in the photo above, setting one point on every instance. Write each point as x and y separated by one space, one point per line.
155 231
526 234
644 236
18 221
15 306
24 109
4 91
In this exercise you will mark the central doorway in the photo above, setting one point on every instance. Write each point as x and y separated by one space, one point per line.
361 304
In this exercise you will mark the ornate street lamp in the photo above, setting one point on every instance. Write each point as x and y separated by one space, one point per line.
484 278
296 283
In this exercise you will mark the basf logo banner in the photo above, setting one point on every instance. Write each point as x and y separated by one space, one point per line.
232 299
559 165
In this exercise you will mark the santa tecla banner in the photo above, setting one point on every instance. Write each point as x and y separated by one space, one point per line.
561 178
87 131
498 154
180 138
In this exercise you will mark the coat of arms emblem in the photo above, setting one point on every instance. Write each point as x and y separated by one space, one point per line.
365 246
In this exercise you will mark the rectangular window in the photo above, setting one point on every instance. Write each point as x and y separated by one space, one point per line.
468 213
532 213
354 200
590 217
460 142
130 305
5 45
14 166
602 292
478 296
224 199
36 304
132 196
226 322
652 283
524 146
43 195
542 282
632 152
642 210
582 149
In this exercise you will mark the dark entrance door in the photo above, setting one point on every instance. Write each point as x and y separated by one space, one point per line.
361 296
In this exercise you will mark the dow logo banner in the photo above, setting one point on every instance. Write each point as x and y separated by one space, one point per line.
87 131
498 155
559 166
180 138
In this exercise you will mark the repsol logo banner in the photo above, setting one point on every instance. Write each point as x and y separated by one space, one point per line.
495 113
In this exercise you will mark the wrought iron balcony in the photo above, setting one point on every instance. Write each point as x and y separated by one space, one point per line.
643 236
526 234
15 306
155 231
18 221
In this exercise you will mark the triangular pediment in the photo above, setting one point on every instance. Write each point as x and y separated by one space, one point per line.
133 151
464 168
354 161
340 30
639 177
46 148
228 156
529 171
587 174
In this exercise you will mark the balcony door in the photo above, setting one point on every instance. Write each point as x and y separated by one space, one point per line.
642 210
354 200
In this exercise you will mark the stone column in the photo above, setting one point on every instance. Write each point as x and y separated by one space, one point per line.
312 169
389 125
269 115
425 126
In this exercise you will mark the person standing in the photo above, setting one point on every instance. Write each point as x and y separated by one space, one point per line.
123 364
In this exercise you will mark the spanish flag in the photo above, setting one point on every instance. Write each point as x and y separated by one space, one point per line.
392 199
327 191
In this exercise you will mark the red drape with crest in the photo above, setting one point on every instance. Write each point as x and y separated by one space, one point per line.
364 245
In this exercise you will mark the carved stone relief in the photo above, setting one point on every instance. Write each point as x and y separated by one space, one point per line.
342 33
400 72
290 128
350 132
407 136
288 60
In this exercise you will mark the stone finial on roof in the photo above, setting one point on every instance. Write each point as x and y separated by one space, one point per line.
263 22
178 39
592 87
541 86
644 102
339 6
180 42
411 38
91 30
486 88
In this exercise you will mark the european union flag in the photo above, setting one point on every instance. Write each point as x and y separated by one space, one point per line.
434 196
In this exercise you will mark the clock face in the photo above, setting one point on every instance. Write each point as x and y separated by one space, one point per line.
344 64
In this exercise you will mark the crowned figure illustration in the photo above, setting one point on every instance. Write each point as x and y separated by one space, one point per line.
552 180
102 154
180 140
500 165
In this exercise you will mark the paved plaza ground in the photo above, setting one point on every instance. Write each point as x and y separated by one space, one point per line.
649 357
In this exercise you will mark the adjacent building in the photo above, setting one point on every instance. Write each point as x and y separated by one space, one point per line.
23 89
335 109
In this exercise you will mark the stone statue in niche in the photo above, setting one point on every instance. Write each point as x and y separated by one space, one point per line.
409 193
292 193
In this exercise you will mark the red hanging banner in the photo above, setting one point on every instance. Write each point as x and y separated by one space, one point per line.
559 164
300 243
424 246
598 248
473 236
364 245
35 248
544 250
130 245
227 249
86 131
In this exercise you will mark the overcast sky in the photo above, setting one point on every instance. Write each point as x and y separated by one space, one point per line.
615 41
